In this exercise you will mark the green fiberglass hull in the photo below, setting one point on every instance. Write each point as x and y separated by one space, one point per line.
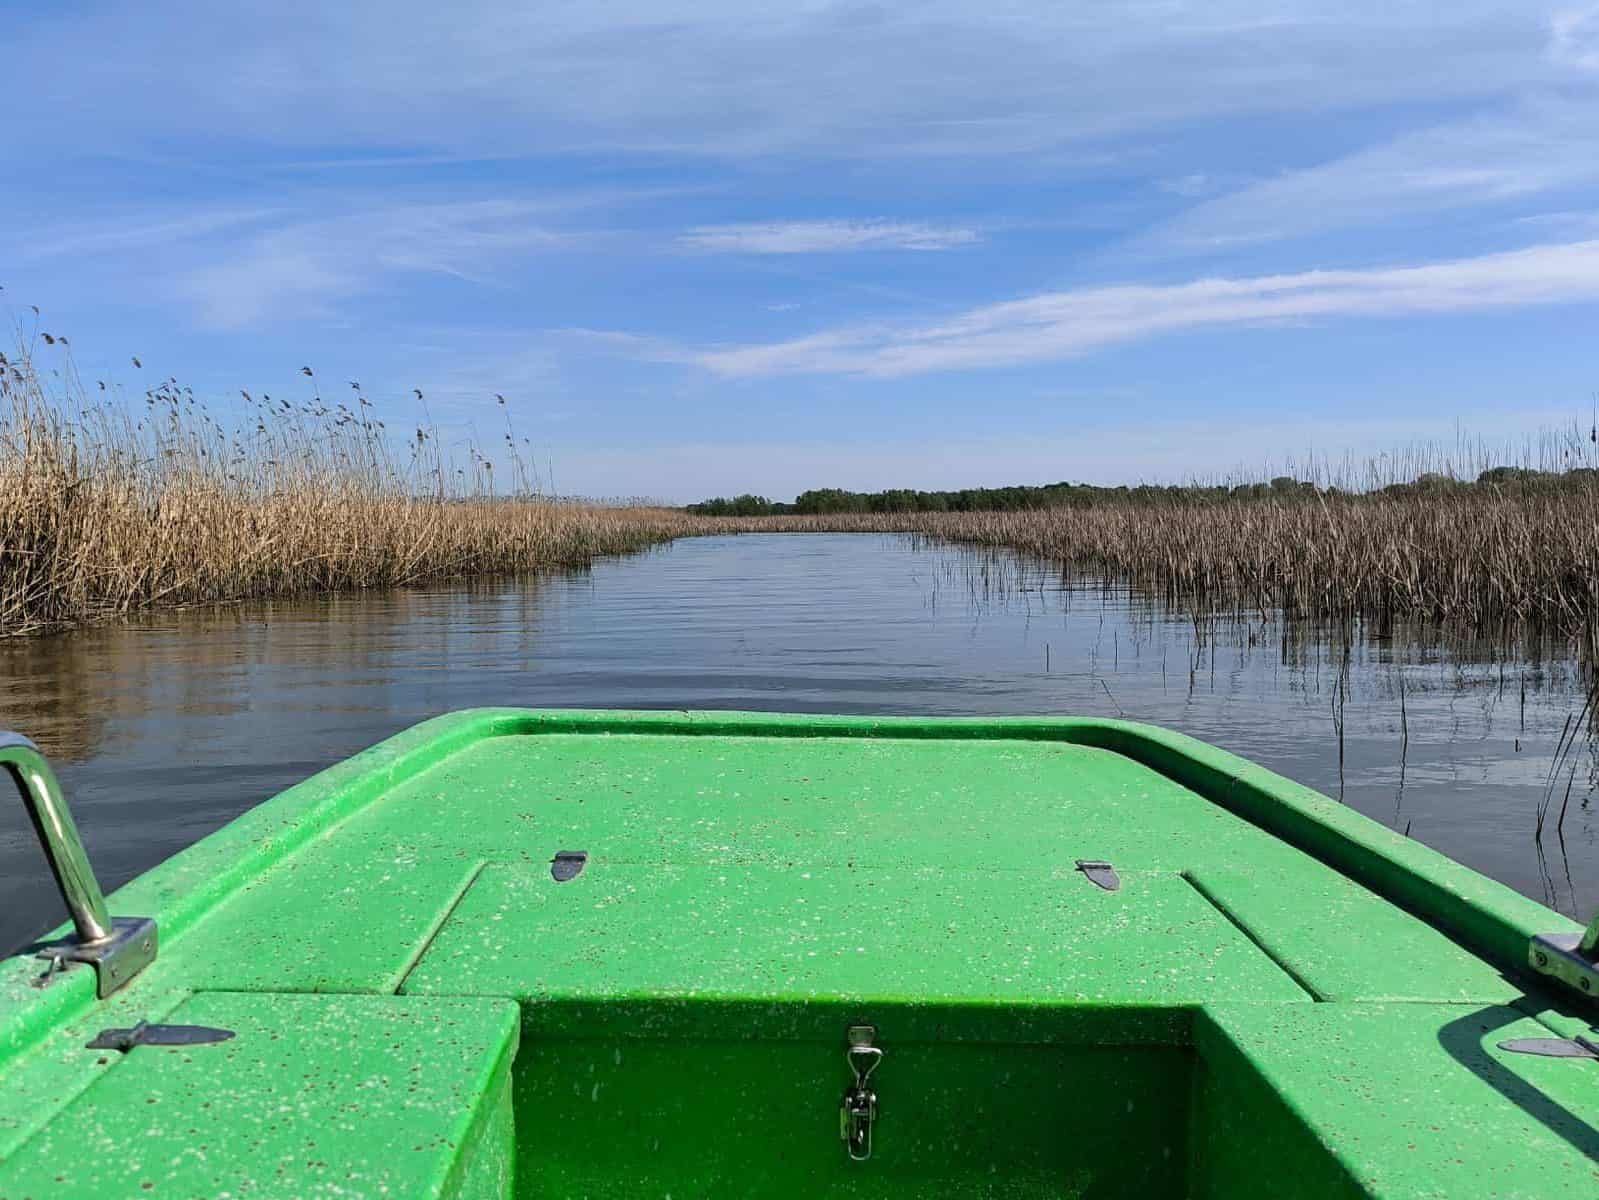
604 954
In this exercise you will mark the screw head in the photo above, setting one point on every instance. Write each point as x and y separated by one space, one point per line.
1584 984
1542 959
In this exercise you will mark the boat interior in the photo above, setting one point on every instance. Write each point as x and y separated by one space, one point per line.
564 957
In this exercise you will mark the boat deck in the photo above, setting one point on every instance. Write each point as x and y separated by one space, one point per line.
1280 998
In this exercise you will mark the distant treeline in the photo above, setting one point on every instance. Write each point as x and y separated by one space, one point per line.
1085 495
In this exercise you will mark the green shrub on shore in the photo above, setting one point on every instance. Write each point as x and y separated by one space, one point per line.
1030 497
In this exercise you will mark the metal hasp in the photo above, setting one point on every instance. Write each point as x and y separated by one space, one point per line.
857 1112
568 865
1572 958
1100 873
146 1034
1577 1047
118 947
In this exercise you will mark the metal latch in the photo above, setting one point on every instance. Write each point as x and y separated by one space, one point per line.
146 1034
857 1112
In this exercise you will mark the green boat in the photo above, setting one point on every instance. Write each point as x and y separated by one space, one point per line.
612 954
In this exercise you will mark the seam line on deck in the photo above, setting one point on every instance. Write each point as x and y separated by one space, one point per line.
433 931
1238 924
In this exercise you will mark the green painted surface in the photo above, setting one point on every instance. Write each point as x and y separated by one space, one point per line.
892 935
1344 942
757 883
1402 1099
315 1096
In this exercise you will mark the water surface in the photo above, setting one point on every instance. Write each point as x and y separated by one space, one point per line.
164 728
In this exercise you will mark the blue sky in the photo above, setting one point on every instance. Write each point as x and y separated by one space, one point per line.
716 247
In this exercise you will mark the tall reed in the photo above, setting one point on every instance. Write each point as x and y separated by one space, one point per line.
1483 559
109 505
1479 559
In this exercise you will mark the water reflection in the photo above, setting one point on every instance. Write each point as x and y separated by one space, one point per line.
165 728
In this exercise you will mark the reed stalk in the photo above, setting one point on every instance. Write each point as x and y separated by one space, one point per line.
110 505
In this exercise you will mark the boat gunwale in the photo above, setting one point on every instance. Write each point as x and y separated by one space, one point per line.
1485 916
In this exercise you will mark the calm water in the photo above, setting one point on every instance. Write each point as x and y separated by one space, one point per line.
166 728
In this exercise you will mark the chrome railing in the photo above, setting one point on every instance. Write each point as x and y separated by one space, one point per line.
119 948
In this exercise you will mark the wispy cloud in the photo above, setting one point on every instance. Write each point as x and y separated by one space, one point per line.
134 234
1574 36
303 266
1057 325
633 345
1539 147
825 237
1570 223
711 77
1191 186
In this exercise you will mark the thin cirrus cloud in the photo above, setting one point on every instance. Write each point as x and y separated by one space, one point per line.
751 78
1574 37
1058 325
134 235
1537 148
824 237
304 266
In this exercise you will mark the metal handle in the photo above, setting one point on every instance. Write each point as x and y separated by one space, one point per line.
118 947
58 835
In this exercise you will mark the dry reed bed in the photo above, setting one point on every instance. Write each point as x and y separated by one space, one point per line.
1479 559
107 507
